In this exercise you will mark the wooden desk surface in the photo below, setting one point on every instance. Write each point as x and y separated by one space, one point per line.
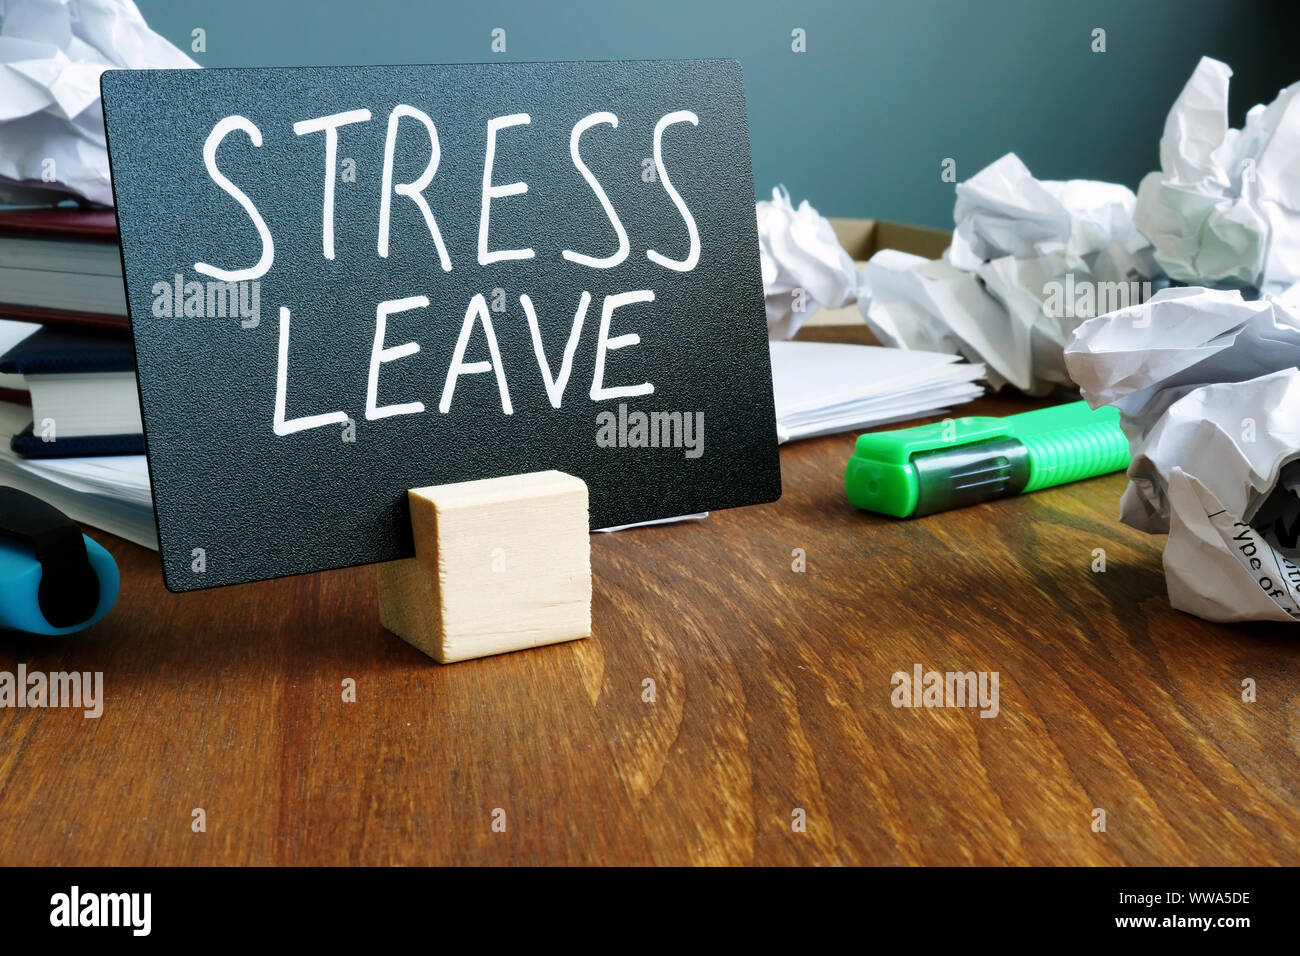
772 693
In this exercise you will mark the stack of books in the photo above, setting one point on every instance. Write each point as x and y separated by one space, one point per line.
70 429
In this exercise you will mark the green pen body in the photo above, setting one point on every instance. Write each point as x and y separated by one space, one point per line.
963 461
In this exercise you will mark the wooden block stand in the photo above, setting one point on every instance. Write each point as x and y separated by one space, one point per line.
500 564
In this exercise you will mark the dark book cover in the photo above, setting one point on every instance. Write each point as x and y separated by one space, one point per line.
29 445
53 351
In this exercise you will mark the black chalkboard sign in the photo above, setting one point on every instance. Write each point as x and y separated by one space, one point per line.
348 282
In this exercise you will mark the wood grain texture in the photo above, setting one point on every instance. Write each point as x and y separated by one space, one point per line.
501 564
772 693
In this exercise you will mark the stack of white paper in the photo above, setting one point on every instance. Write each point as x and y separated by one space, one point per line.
821 388
111 492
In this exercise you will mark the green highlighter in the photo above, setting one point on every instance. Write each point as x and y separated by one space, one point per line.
963 461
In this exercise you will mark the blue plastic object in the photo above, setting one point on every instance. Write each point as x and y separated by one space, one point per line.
20 578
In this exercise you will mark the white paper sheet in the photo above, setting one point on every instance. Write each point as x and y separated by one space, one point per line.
822 388
52 53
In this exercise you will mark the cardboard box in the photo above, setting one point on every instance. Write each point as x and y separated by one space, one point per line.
863 238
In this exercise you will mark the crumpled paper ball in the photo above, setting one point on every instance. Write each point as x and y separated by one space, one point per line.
1208 391
804 267
1030 260
1225 206
1004 212
911 302
52 53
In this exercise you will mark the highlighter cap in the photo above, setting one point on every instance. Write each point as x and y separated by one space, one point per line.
881 476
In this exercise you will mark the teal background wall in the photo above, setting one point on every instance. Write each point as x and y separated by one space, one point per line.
860 123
